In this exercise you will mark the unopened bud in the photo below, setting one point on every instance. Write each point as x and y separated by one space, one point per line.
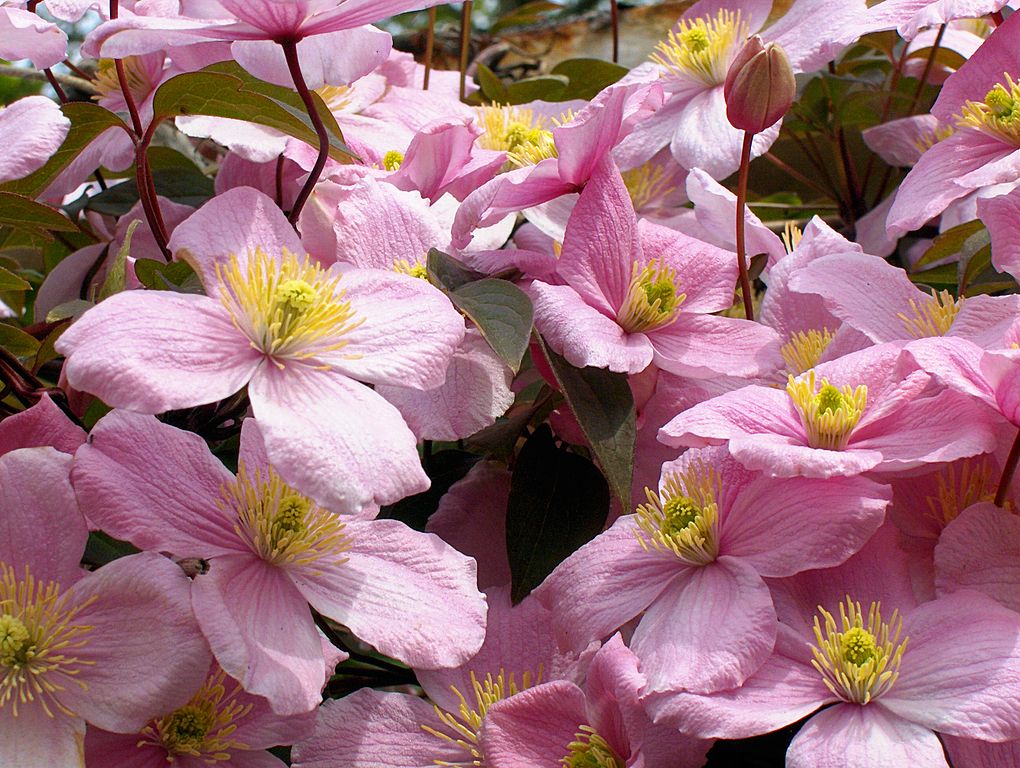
759 87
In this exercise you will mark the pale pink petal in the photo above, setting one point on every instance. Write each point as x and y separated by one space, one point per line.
779 457
703 346
33 127
962 365
981 754
34 739
129 480
40 524
125 750
900 142
254 142
961 669
991 322
850 736
980 550
145 655
814 32
23 35
409 594
154 351
44 424
708 631
335 440
261 632
1001 215
747 412
409 332
435 155
534 728
583 335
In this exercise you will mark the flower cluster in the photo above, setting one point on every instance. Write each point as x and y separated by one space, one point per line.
357 415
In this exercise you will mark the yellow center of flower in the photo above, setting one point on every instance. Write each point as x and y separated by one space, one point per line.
280 525
859 658
392 160
204 726
804 350
589 750
414 269
792 235
525 136
461 728
959 485
998 115
289 308
653 300
648 184
829 414
683 518
107 82
337 97
38 641
702 49
932 317
929 139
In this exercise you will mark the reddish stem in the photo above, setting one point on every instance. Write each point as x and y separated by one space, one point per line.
465 45
1008 470
927 69
430 45
294 65
997 18
614 12
745 282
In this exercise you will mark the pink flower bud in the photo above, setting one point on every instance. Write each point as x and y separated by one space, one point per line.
759 87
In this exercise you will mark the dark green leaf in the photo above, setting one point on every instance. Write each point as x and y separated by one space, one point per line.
69 310
17 342
953 242
588 77
160 276
503 314
529 13
604 407
939 277
11 282
492 87
101 549
544 88
558 502
116 276
444 468
448 273
27 215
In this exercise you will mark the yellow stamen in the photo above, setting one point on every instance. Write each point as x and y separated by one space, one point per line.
804 350
589 750
107 82
929 139
417 269
998 115
39 636
204 726
683 518
280 525
525 136
702 48
652 298
648 184
861 661
830 414
932 317
393 160
792 235
289 308
337 97
960 485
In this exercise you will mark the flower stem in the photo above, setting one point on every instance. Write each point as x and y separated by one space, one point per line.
291 54
927 69
430 45
745 283
997 18
614 11
1008 470
465 45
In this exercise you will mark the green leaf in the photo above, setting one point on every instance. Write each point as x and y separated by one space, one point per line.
88 121
939 277
558 502
971 236
17 342
26 215
69 310
176 178
448 273
588 77
492 87
116 277
244 98
503 314
444 468
524 15
158 275
11 282
604 407
542 88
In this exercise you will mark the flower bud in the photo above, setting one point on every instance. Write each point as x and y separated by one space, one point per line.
759 87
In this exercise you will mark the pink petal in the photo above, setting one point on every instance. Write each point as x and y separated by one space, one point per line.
44 424
409 594
261 632
145 655
1001 214
534 728
157 486
583 335
780 457
980 550
335 440
124 750
708 631
34 739
747 412
980 754
33 127
410 330
702 346
961 668
154 351
849 736
40 524
23 35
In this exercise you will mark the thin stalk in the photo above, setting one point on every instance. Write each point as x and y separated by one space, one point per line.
614 12
745 283
430 45
1008 470
997 18
465 45
279 182
147 192
929 64
86 86
794 173
291 54
79 72
886 109
55 85
136 120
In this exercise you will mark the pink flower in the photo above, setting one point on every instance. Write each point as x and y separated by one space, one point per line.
602 724
23 35
689 563
635 293
909 17
1002 215
299 336
895 672
33 129
42 425
869 410
272 551
112 648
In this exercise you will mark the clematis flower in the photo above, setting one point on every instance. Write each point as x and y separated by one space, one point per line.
111 648
220 723
34 128
603 724
299 336
909 17
42 425
636 293
869 410
895 672
23 35
689 563
272 551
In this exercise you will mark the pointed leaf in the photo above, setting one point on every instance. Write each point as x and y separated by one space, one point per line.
503 314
